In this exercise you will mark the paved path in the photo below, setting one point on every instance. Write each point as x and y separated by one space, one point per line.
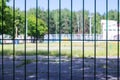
77 68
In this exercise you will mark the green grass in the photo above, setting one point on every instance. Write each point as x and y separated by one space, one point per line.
77 49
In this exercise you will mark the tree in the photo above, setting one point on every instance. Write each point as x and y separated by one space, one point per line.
65 21
112 15
6 18
19 22
98 24
36 31
77 20
54 21
41 13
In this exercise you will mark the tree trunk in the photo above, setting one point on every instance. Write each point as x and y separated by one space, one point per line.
16 34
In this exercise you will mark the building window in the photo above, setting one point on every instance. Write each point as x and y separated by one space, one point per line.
114 29
110 29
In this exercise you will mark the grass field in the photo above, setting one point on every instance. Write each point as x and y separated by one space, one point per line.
65 49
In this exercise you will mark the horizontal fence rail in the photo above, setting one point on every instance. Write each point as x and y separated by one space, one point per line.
59 40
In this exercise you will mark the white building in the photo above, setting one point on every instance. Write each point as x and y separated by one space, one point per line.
111 27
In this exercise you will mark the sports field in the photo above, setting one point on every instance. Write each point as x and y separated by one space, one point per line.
65 48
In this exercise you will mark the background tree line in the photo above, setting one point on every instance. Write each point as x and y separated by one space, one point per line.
63 21
13 21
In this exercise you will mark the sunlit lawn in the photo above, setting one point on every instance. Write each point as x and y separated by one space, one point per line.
65 48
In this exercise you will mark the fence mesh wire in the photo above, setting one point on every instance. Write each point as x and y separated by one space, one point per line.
55 58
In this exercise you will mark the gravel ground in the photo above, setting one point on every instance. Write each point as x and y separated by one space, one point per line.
42 68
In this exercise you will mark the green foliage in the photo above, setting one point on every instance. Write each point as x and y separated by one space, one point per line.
66 21
97 23
63 22
112 15
9 24
19 21
36 29
6 14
